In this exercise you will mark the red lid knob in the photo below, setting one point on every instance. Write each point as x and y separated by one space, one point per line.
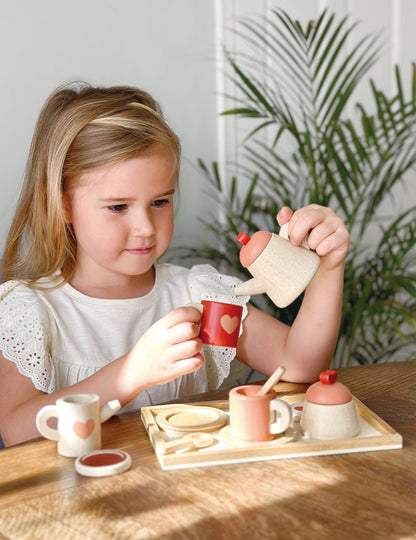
243 238
328 377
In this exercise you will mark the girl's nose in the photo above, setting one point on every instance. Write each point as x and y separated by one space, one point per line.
143 225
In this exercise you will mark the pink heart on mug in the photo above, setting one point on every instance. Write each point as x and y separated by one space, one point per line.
229 323
83 429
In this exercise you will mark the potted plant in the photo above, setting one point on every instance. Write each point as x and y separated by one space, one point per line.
305 148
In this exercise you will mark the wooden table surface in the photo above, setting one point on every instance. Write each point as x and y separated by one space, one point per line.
363 495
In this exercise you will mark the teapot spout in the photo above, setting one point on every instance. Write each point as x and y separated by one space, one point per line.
252 286
109 409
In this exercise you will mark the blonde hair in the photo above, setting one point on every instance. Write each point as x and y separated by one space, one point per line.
80 128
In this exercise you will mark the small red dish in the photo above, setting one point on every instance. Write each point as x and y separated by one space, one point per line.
103 463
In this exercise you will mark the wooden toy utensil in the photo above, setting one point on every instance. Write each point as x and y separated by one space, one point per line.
197 440
271 381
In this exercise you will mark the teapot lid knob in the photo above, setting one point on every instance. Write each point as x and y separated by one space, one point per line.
243 238
328 377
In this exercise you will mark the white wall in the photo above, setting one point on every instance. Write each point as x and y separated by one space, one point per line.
166 47
393 18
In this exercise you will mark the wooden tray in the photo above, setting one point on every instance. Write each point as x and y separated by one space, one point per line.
375 434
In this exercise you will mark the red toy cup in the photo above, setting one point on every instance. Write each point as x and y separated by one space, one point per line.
220 323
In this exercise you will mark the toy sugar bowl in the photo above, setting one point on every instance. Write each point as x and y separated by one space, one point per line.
329 411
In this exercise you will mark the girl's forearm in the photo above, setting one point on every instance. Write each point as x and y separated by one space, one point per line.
313 336
19 421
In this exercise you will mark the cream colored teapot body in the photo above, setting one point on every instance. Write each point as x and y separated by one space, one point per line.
279 269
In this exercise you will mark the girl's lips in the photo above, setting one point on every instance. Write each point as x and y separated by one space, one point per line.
140 251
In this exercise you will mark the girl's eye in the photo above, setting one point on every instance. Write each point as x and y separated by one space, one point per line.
117 208
160 203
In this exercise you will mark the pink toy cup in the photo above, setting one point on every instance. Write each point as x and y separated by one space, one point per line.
220 323
255 418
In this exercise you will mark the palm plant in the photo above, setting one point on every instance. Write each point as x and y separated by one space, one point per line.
304 148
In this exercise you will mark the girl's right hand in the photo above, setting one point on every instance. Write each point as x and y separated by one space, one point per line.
170 348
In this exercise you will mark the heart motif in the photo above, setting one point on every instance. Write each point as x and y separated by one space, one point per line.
229 323
83 429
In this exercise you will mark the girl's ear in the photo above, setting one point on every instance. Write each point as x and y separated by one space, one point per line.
66 205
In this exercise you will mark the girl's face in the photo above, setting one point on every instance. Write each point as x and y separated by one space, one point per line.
122 217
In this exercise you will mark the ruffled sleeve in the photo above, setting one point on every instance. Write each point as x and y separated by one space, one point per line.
206 283
24 334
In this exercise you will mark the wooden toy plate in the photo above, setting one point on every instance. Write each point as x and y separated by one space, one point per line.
191 419
375 434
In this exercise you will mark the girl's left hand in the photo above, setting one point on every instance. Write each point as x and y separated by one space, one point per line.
328 235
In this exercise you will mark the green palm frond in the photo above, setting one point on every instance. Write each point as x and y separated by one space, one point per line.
294 87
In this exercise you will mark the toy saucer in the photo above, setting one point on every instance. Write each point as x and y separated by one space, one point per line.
228 438
191 419
103 463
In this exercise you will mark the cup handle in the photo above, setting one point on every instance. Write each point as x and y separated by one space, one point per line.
283 415
42 418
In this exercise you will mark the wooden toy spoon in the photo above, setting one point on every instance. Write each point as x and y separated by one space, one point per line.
271 381
197 440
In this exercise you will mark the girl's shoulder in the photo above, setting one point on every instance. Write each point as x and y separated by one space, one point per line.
13 289
203 282
174 271
169 271
24 333
19 302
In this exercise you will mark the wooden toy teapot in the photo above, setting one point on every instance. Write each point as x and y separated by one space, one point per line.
279 269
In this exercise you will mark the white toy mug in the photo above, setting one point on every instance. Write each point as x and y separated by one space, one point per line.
79 423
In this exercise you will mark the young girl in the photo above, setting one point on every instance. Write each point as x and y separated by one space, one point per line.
86 307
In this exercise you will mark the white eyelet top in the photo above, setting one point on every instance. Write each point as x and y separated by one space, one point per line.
58 337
